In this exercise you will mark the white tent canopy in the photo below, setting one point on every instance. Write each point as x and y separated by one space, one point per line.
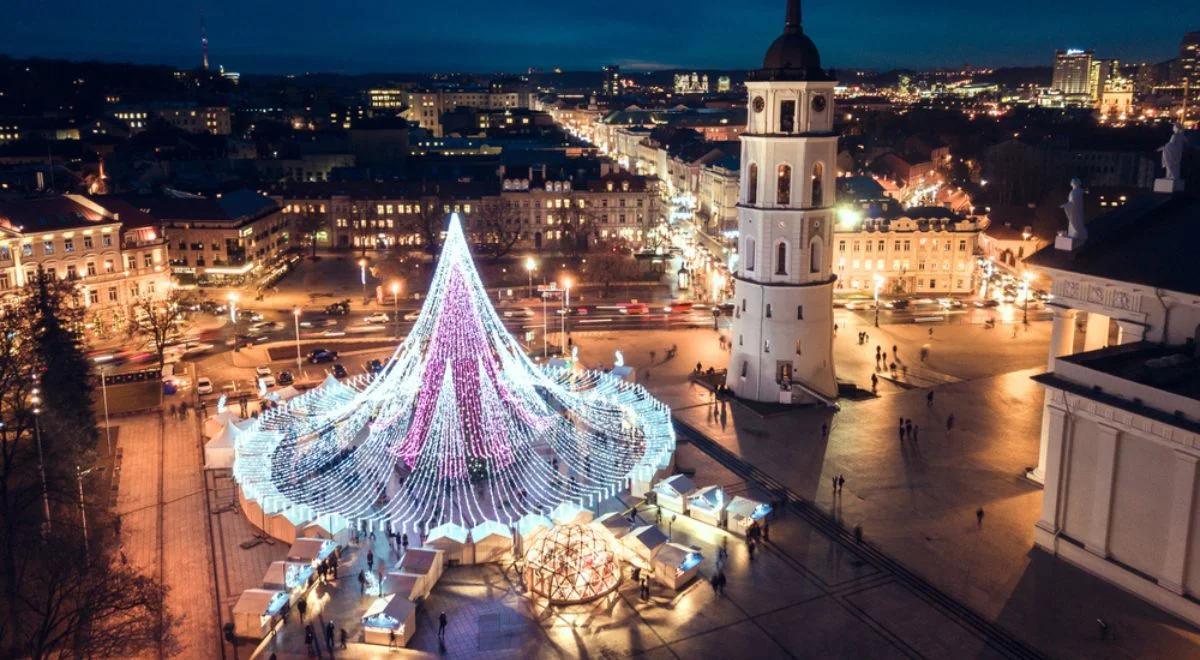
219 451
491 542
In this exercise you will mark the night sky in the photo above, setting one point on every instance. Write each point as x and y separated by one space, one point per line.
359 36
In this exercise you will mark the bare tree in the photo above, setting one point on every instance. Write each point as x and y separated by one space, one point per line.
308 226
499 227
429 221
160 319
608 268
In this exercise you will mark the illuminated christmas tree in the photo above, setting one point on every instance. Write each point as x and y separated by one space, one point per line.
460 427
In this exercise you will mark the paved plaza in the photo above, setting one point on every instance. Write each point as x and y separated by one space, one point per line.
810 594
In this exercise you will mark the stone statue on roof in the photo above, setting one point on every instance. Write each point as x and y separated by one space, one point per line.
1074 210
1172 153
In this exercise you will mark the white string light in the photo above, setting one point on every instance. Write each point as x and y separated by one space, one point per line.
460 427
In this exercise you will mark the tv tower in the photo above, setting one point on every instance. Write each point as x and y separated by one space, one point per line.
203 44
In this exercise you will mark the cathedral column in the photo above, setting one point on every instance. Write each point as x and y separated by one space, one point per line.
1182 517
1107 439
1057 469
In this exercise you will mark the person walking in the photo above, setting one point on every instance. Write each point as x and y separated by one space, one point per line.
834 479
841 482
370 559
343 635
362 583
979 517
929 398
442 623
950 422
329 635
874 384
302 607
901 431
750 548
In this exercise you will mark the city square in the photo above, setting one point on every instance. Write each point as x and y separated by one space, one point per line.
769 359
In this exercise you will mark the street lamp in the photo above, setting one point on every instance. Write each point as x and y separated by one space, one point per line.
530 266
79 475
37 430
362 277
566 310
296 322
232 297
878 286
396 305
1026 276
104 395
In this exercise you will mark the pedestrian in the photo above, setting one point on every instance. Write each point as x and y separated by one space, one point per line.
874 384
908 428
901 429
895 351
841 482
931 333
637 574
979 517
362 583
309 637
834 479
370 559
302 607
329 635
750 548
334 565
392 638
766 531
713 583
404 541
824 430
858 533
342 634
442 621
929 398
721 581
950 422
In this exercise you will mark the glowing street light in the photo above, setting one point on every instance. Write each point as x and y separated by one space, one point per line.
878 286
296 322
395 287
530 266
362 277
232 297
1026 278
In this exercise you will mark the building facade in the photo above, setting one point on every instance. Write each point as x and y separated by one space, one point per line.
783 288
914 253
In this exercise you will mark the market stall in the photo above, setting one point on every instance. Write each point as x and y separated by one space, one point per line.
389 616
643 542
491 542
426 563
328 526
615 524
570 513
255 612
707 505
405 585
675 565
451 539
672 493
290 576
311 551
742 511
286 524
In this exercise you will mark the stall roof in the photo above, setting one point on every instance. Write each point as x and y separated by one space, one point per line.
418 560
649 536
393 606
456 533
678 483
489 528
255 601
307 549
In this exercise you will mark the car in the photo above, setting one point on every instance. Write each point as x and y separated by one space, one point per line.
899 303
322 355
634 309
204 385
374 366
195 348
949 303
250 338
990 302
266 382
319 323
678 307
262 371
266 326
338 308
339 371
520 312
377 317
249 315
413 315
285 378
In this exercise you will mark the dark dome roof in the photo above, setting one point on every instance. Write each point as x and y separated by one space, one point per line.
792 56
792 50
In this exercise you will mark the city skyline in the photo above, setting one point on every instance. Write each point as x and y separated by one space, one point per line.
311 38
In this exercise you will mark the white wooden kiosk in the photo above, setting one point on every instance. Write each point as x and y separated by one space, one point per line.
426 563
570 513
675 565
286 524
290 576
643 542
615 525
707 505
451 539
387 615
672 493
742 511
405 585
328 526
255 612
490 542
311 551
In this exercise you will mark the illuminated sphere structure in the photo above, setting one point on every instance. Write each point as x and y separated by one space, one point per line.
460 428
571 564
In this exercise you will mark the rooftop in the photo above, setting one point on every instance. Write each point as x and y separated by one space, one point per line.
1149 241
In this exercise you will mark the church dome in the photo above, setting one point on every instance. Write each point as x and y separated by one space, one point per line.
792 56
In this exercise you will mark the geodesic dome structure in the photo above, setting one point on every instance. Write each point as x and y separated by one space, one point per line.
460 428
571 564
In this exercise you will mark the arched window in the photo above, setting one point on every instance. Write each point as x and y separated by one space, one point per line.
752 184
814 256
818 176
783 189
781 258
750 254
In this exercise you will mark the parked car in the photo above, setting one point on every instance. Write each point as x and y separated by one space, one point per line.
899 303
377 317
204 385
249 315
678 307
987 303
521 312
338 308
635 309
318 323
413 315
266 326
374 366
285 378
322 355
339 371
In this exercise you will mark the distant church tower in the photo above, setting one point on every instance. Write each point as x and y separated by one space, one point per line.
783 288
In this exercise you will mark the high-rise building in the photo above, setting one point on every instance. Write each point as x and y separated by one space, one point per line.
723 84
783 286
612 80
1073 73
1189 73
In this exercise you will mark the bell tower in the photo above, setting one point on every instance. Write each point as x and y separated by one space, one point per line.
783 288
